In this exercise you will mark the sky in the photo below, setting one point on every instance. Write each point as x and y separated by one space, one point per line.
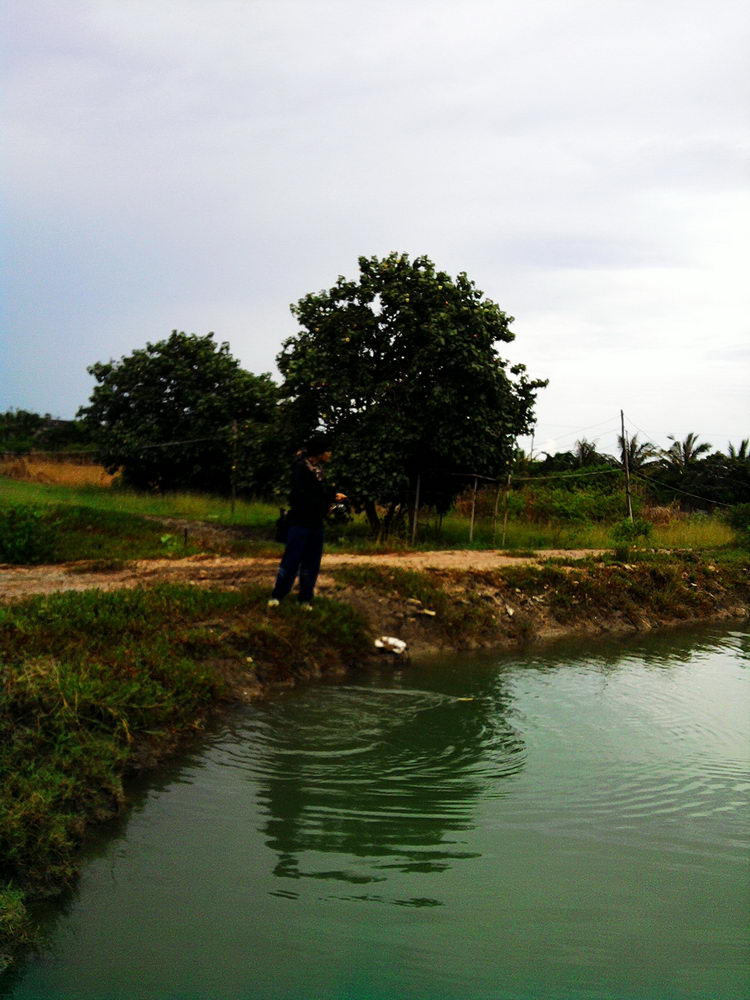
201 164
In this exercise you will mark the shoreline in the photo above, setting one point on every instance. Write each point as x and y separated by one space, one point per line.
160 658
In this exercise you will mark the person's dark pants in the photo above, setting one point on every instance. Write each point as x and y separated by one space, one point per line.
303 552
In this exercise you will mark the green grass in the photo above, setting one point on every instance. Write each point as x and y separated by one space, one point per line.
255 520
696 532
103 536
88 533
95 683
190 506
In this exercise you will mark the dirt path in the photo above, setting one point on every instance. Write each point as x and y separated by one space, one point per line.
227 571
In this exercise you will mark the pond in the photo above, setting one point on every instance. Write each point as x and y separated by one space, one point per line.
563 823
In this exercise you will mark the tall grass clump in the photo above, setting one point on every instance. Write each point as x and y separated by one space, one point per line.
694 531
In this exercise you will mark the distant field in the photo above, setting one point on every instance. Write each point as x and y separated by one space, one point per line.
96 492
36 470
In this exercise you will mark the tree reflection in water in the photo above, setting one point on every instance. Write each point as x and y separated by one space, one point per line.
361 784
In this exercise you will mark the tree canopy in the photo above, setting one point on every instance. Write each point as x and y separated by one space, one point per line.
190 390
23 431
401 367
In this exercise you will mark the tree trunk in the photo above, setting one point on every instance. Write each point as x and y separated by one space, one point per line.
372 517
388 519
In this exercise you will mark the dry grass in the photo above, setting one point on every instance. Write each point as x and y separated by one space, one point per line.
36 470
693 532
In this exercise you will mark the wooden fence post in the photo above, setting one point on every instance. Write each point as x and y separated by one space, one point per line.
473 511
505 513
416 511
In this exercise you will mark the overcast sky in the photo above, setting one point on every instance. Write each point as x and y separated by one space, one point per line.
200 164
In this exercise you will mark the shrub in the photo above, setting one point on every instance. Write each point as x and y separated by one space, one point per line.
627 531
739 516
739 519
568 506
25 536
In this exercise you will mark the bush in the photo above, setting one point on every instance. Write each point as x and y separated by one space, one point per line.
25 536
627 531
738 518
567 506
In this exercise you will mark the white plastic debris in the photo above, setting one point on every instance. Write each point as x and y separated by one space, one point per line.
390 644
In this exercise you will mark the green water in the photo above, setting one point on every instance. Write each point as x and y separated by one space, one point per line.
565 824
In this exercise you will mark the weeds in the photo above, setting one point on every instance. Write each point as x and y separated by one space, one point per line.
95 682
26 536
459 616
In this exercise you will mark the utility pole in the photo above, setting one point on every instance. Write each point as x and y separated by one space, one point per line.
233 476
627 466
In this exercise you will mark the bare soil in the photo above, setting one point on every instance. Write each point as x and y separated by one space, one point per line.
231 572
510 616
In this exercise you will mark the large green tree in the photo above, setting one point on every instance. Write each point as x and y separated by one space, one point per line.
165 415
401 366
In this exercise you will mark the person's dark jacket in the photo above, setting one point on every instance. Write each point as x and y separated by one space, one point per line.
309 497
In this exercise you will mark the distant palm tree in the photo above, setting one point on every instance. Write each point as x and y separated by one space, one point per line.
682 454
639 453
743 452
585 452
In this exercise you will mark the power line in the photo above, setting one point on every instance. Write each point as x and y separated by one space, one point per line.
675 489
565 475
169 444
588 427
518 479
93 451
572 434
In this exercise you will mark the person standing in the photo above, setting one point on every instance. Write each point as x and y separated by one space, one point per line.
310 499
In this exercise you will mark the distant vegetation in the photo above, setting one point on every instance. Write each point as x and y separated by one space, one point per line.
400 367
689 473
22 431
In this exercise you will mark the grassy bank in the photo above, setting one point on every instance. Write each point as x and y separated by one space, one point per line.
96 685
454 608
